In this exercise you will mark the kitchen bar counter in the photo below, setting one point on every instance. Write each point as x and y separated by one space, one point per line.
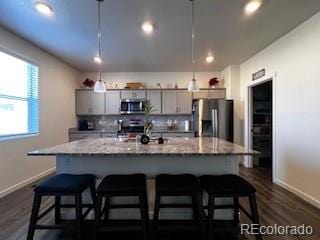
114 130
105 156
172 146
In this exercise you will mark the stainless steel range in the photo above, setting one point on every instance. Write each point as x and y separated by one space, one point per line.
130 128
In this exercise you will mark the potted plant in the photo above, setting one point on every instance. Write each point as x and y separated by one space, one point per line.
145 138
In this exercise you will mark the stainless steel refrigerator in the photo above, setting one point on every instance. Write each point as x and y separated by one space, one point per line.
213 118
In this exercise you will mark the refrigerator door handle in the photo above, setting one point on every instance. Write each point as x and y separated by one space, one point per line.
215 122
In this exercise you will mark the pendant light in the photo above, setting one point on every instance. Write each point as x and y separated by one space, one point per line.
99 86
193 85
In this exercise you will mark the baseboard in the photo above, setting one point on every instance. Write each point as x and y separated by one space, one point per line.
26 182
299 193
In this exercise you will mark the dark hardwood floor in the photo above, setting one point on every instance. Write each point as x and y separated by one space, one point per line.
276 206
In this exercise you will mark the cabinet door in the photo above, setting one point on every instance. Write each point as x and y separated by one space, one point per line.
83 102
184 102
133 94
97 103
154 98
201 94
217 94
112 102
169 102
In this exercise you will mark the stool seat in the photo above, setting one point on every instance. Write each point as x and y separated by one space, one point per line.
114 184
226 184
177 184
65 183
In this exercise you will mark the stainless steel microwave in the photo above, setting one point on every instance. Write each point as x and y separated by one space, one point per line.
132 106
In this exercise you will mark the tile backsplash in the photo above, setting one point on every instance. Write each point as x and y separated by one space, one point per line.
160 122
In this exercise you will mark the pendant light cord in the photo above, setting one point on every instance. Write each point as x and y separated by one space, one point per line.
99 35
99 28
193 38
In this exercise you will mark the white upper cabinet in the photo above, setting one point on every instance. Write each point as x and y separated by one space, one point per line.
184 102
169 102
154 98
89 103
112 102
176 102
219 93
133 94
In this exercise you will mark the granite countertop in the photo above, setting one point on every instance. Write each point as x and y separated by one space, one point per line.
75 130
172 146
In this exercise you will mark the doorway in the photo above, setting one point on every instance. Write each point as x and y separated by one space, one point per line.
261 126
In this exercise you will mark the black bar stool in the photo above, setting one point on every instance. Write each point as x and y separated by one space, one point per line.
229 186
122 185
179 185
58 186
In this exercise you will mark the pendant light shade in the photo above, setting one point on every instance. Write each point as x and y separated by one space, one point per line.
99 86
193 85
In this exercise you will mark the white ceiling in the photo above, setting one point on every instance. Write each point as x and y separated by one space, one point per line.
221 27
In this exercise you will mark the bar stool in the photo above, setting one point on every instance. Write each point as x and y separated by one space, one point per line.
122 185
58 186
229 186
179 185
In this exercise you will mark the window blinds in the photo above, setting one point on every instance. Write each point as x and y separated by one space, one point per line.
19 100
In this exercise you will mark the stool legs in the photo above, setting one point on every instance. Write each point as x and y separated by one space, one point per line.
144 215
211 207
107 200
236 210
34 216
200 215
57 208
98 214
254 212
78 200
156 215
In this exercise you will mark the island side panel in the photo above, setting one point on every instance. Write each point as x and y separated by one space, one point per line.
152 165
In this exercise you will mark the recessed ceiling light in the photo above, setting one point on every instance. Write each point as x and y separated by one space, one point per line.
252 6
147 27
209 59
98 59
44 8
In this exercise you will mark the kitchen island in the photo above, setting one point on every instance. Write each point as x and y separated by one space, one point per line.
106 156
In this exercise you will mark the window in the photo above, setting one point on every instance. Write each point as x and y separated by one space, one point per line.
19 103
